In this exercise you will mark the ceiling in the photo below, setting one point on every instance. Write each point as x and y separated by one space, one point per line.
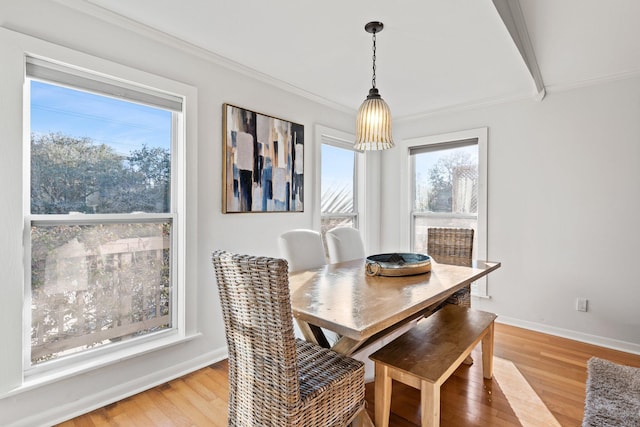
432 54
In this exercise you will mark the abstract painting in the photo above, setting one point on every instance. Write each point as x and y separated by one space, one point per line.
263 163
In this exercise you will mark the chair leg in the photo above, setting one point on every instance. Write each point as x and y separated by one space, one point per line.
487 353
430 404
382 395
358 420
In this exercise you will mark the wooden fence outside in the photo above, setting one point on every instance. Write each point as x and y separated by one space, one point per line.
91 298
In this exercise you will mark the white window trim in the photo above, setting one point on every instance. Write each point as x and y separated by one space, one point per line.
16 49
337 138
83 359
481 134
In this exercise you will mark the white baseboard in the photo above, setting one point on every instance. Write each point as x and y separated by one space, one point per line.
122 391
627 347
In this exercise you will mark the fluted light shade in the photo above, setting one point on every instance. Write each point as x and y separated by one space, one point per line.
373 124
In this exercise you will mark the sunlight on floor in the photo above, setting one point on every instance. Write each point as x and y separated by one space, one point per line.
525 402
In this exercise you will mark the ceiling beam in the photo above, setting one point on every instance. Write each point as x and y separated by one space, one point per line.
511 14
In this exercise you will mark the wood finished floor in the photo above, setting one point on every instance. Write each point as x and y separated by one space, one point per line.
554 367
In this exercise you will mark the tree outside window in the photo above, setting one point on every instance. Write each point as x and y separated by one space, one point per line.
446 190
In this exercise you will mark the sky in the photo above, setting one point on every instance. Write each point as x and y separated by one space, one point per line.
337 167
123 125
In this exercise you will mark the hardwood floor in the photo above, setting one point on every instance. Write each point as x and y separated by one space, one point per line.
555 368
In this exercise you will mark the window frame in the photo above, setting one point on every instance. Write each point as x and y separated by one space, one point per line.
355 214
344 140
480 287
182 327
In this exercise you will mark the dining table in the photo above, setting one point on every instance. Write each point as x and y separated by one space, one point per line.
361 308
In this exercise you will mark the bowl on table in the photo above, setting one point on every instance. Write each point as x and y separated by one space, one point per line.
397 264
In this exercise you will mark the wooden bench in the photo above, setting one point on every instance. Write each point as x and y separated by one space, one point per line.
425 356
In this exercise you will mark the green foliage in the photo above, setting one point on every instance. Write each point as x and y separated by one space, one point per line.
77 175
441 179
65 171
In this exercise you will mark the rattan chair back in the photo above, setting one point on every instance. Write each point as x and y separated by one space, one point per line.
274 378
452 246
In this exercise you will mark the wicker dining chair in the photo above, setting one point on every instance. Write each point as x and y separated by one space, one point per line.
452 246
274 378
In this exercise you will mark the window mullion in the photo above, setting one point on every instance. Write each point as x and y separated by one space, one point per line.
98 218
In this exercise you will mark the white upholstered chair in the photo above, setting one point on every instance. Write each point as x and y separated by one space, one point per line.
303 249
344 244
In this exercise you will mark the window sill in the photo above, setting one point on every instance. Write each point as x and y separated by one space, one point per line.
38 379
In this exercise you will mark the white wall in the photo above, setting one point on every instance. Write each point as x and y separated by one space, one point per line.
564 198
247 233
564 178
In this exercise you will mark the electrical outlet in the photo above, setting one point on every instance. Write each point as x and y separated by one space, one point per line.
582 304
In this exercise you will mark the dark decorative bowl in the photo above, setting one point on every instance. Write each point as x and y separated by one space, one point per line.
397 264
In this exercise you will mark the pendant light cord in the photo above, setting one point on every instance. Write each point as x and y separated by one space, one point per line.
373 121
373 79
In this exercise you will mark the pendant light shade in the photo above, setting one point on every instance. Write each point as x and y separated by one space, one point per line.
373 124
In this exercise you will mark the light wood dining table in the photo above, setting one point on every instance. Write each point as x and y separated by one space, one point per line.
362 309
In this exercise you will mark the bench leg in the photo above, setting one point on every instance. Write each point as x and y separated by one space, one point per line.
487 353
382 395
430 404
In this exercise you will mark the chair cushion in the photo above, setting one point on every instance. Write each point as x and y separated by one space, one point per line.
329 380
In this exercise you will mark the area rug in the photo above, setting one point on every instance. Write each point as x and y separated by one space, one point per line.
613 395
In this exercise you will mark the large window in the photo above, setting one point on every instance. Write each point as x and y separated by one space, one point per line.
445 188
339 198
102 211
448 188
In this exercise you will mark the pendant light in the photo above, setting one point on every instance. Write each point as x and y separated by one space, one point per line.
373 124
